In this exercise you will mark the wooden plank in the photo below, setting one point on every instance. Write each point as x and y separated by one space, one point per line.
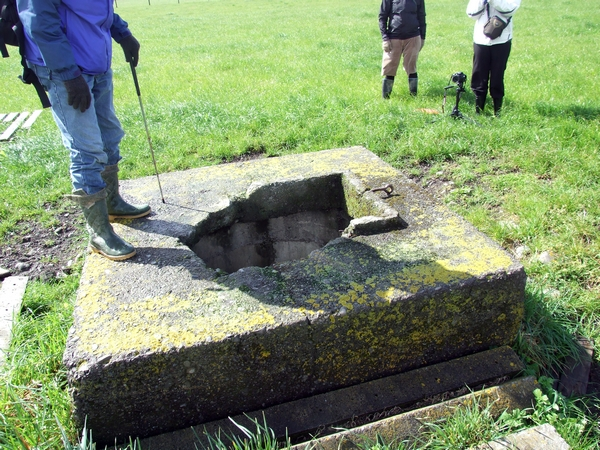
13 126
9 117
31 119
11 298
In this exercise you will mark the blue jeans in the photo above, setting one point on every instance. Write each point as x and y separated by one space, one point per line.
93 136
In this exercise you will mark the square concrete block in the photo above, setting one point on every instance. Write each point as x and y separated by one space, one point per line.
266 281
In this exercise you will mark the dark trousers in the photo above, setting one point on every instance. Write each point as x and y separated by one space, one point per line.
489 65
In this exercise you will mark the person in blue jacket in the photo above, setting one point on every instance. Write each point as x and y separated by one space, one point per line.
69 47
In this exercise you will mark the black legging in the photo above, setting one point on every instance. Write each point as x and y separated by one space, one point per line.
489 64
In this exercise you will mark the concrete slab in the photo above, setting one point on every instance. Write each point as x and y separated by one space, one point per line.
321 413
515 394
11 298
162 341
542 437
574 380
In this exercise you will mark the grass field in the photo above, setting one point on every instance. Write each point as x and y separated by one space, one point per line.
220 79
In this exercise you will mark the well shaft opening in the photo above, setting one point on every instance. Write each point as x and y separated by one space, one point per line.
286 221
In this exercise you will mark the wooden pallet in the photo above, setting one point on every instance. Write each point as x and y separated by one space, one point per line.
15 120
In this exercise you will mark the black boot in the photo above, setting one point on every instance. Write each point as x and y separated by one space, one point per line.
497 106
386 88
413 83
117 207
103 239
479 104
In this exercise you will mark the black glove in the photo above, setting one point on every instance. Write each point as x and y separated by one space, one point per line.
131 47
79 96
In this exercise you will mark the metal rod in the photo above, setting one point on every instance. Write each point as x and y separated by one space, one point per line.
137 88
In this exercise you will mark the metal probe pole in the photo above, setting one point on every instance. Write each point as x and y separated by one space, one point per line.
137 88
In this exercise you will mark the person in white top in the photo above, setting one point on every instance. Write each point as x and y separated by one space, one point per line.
490 56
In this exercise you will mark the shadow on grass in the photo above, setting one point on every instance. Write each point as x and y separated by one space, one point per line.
577 111
544 341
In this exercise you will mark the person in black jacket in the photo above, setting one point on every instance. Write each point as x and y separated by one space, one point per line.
402 25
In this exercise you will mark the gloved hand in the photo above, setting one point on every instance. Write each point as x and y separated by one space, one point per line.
79 96
131 48
387 45
422 44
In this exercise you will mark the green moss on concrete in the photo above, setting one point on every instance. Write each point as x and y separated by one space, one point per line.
175 333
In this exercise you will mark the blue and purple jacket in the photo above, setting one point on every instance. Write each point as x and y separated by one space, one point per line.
71 36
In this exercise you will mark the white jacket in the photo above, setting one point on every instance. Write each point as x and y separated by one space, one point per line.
476 9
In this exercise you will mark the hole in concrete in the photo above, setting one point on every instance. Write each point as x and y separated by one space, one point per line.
286 221
265 242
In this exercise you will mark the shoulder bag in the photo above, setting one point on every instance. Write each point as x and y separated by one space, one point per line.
495 25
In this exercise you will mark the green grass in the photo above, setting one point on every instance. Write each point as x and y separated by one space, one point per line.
475 422
223 78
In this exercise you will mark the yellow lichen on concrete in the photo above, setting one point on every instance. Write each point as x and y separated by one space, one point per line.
166 322
158 324
179 333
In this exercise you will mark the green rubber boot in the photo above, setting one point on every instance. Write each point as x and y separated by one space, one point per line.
103 239
117 207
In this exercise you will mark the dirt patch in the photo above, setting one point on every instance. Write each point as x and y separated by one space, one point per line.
49 252
45 252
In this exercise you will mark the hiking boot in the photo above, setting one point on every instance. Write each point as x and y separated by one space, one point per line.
117 207
103 239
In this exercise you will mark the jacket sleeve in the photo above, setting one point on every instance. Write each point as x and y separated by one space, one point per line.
421 18
475 8
384 13
119 28
41 22
505 7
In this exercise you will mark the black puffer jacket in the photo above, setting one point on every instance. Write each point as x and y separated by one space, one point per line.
402 19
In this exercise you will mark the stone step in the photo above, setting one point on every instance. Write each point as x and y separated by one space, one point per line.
325 413
515 394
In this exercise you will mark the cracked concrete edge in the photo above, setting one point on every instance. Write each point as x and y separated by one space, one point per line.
515 394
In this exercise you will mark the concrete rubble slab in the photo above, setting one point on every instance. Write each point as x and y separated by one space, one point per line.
541 437
574 380
406 427
325 413
163 341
